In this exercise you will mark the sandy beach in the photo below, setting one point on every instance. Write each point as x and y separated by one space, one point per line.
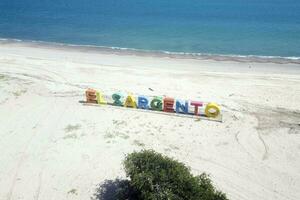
54 147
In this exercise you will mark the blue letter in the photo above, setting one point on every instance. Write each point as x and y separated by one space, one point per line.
183 106
143 102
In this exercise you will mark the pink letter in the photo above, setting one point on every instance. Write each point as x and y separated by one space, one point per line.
196 104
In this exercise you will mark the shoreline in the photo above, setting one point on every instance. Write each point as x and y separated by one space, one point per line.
152 53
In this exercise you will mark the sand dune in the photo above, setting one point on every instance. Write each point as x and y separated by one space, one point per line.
53 147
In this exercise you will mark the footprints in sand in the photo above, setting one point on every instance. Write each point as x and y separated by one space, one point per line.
265 122
275 118
12 88
119 130
222 144
142 131
270 119
293 128
132 131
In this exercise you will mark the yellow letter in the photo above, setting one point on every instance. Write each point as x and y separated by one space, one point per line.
212 110
130 102
100 98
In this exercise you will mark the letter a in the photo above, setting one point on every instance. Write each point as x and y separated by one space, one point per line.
130 102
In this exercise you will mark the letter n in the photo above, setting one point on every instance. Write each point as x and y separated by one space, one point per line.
182 106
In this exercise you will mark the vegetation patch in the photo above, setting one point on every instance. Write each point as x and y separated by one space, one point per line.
19 93
2 77
70 127
70 136
73 191
138 143
152 176
108 136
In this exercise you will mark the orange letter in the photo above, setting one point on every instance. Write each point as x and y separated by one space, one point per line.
91 96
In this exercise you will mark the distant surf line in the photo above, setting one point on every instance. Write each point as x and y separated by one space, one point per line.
160 53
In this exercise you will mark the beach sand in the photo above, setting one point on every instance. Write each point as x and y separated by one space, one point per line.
54 147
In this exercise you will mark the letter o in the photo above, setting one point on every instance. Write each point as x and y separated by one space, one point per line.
213 106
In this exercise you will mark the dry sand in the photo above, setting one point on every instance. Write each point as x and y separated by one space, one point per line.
53 147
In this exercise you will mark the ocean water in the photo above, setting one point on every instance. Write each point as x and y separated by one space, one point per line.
222 27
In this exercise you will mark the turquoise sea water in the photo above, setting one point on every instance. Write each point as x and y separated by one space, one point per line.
231 27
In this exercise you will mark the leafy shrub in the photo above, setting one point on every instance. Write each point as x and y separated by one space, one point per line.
115 190
157 177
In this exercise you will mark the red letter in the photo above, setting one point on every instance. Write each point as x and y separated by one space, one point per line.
168 104
196 104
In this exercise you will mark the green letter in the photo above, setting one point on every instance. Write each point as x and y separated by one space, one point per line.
156 103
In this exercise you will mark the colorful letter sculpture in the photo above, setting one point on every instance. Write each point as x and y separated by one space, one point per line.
91 96
212 110
117 97
143 102
130 102
182 106
100 98
166 104
156 103
196 104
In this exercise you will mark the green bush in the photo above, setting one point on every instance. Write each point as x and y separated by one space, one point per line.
157 177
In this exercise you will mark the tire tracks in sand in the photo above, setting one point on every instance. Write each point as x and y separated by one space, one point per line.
24 153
